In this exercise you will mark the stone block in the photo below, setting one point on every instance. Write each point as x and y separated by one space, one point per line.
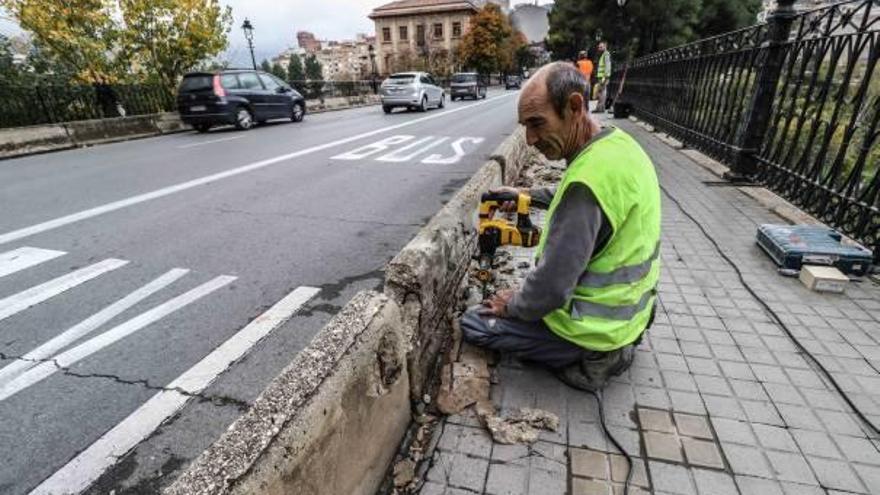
664 446
693 426
655 420
589 464
702 453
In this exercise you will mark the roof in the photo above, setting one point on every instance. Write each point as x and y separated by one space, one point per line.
412 7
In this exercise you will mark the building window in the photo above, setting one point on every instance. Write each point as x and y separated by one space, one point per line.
438 31
420 34
386 35
402 31
456 30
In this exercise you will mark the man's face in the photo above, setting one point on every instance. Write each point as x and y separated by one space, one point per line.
601 47
545 129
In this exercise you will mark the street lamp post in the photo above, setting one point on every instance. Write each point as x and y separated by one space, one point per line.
372 52
248 29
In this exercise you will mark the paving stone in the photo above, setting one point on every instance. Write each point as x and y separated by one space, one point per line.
789 488
748 389
714 482
702 366
702 453
783 393
791 467
587 435
431 488
549 457
858 450
513 454
468 472
655 420
619 471
762 412
581 486
677 380
839 422
835 474
749 485
506 479
724 407
870 476
476 442
746 460
546 483
799 417
732 369
774 437
589 464
671 478
816 443
714 385
688 402
664 446
693 426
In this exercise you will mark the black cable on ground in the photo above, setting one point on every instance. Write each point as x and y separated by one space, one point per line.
772 313
617 445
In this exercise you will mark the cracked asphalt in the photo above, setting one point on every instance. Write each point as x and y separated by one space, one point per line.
311 221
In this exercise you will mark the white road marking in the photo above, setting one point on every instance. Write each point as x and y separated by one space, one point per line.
119 332
86 326
372 148
399 155
35 295
212 141
183 186
25 257
90 464
458 147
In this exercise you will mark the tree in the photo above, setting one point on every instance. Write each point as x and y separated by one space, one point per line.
111 40
295 71
721 16
265 66
313 70
486 45
278 71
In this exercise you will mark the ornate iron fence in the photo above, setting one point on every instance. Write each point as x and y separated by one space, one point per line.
793 103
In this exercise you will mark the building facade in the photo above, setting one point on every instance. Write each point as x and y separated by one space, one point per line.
307 41
420 34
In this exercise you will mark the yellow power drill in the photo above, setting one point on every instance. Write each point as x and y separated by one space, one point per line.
494 232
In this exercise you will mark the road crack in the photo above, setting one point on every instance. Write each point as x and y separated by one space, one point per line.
217 400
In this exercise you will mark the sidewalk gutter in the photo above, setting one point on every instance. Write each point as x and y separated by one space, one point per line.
332 421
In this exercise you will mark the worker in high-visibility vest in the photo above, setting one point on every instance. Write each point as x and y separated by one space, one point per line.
585 66
603 72
592 294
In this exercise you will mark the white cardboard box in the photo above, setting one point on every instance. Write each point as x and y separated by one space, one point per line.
823 278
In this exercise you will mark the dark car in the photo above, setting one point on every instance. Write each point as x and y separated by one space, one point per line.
511 82
467 85
238 97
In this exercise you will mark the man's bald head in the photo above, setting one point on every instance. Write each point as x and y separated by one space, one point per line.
556 82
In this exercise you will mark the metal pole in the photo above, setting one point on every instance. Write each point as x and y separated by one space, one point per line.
253 59
750 135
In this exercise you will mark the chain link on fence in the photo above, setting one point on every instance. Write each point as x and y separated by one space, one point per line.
793 103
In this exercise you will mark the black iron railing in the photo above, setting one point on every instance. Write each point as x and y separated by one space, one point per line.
793 103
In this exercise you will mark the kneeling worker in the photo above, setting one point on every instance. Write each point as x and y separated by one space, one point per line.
583 309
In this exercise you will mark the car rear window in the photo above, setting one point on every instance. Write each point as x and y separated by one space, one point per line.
401 79
229 81
460 78
197 83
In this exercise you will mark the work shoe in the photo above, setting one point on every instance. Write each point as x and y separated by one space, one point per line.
596 368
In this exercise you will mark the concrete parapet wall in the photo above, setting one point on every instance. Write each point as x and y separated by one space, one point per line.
329 424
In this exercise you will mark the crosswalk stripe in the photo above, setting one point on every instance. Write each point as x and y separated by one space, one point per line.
119 332
86 326
35 295
88 466
25 257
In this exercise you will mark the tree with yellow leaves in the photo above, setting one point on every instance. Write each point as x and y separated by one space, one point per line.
490 43
114 40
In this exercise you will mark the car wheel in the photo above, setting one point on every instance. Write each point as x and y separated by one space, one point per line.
483 94
202 127
442 101
387 109
423 107
453 98
297 112
244 119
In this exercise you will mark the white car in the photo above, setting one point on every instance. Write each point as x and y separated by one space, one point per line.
412 90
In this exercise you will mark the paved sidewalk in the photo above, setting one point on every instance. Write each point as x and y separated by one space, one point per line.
718 400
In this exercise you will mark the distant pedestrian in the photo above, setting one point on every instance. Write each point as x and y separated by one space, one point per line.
603 72
585 66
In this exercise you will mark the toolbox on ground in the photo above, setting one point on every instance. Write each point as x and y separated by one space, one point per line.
791 246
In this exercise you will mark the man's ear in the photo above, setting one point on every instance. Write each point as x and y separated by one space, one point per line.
576 103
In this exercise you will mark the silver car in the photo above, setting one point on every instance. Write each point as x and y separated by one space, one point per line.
413 90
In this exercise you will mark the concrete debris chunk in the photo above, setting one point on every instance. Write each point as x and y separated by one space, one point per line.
521 426
461 385
404 473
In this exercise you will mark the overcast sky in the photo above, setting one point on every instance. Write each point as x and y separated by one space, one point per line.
277 21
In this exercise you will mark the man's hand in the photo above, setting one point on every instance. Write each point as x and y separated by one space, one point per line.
507 205
496 305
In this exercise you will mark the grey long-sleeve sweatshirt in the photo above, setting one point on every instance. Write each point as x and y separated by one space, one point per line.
578 229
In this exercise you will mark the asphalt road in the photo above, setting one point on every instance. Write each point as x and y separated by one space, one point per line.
207 232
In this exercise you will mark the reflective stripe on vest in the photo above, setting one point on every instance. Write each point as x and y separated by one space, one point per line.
623 275
580 308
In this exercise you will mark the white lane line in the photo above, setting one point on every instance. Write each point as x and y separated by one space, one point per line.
119 332
35 295
183 186
200 143
25 257
86 326
91 463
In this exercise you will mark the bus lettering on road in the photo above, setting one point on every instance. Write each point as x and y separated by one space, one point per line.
406 148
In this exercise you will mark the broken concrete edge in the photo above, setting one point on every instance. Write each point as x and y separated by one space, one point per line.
762 195
424 277
31 140
330 423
